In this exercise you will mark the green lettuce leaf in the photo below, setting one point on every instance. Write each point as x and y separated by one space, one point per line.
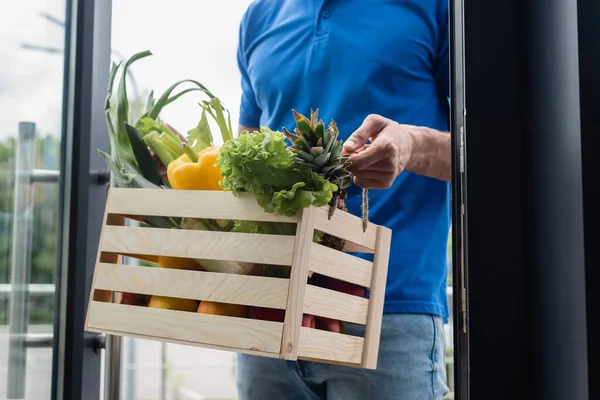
271 228
260 163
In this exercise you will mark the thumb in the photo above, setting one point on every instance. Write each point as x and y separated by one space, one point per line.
370 128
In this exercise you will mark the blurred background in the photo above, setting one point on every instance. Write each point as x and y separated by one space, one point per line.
189 39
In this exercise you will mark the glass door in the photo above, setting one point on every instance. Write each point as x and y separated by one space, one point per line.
31 99
55 56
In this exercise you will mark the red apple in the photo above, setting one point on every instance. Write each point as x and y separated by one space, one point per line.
135 299
338 285
308 321
267 314
328 324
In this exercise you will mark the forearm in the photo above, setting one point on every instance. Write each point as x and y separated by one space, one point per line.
430 155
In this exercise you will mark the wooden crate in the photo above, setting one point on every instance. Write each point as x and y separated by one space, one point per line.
287 340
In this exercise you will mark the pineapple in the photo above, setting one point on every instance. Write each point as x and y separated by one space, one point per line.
320 149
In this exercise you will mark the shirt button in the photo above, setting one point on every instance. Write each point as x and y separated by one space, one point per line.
326 14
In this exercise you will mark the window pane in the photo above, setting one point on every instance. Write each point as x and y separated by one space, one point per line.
31 97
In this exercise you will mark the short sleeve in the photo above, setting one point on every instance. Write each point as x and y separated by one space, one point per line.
249 110
443 56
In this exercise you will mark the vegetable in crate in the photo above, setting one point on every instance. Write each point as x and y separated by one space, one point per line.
216 308
135 299
285 180
196 169
338 285
329 324
190 162
277 315
261 164
172 303
320 149
178 263
135 145
312 171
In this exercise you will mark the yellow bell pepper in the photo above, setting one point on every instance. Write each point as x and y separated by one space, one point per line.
178 263
193 171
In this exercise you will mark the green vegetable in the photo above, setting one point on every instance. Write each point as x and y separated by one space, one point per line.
143 156
126 159
260 163
224 126
229 267
200 137
121 159
147 125
271 228
122 111
130 158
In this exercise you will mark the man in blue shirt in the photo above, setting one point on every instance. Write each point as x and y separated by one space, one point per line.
380 69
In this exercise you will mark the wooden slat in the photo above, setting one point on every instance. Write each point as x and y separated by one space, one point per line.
225 246
247 334
335 264
376 298
184 342
191 204
108 256
322 345
198 285
350 247
346 226
298 277
102 295
332 304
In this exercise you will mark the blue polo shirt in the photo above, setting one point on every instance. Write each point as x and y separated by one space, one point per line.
351 58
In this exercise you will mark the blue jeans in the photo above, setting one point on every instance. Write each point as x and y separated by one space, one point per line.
411 366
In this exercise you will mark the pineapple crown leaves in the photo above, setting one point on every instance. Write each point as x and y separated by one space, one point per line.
319 148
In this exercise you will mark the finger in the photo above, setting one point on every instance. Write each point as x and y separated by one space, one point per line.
370 128
374 175
370 183
375 153
384 166
363 148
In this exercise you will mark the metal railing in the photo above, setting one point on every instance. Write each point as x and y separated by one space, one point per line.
22 230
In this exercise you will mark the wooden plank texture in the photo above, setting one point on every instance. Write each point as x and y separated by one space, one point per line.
189 203
332 304
336 264
248 334
376 298
350 247
198 285
298 278
346 226
102 295
184 342
322 345
225 246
